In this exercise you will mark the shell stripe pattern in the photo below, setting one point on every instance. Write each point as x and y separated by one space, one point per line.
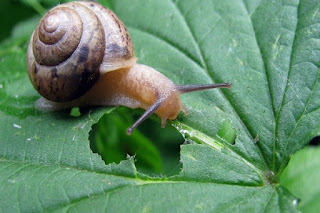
72 44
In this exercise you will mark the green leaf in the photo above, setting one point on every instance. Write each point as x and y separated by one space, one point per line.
268 50
301 177
7 8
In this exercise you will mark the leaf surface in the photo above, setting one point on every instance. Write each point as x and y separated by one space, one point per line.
268 50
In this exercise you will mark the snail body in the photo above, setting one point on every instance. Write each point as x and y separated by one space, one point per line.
81 54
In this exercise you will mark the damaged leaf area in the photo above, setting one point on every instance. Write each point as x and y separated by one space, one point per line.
237 142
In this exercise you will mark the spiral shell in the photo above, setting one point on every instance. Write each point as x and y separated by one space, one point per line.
72 45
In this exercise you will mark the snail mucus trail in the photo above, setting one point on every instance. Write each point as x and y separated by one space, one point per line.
72 64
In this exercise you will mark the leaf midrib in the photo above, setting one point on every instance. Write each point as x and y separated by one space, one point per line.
284 95
138 178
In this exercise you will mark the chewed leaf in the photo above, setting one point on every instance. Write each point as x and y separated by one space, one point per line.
238 141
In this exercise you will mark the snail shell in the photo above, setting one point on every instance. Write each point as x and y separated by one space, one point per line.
72 45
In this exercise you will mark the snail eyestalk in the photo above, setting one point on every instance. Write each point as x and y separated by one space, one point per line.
145 115
194 87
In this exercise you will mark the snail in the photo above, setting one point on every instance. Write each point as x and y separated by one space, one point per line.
81 54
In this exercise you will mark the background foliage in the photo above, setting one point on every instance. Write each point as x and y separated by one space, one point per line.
229 154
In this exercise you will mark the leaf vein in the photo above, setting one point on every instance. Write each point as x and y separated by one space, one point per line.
204 64
268 82
168 42
287 83
304 112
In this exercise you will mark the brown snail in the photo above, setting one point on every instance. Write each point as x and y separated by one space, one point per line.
81 54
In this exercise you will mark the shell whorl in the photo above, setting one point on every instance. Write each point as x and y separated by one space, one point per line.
59 34
71 45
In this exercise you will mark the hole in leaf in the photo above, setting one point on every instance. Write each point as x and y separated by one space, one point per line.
75 112
227 132
156 149
315 141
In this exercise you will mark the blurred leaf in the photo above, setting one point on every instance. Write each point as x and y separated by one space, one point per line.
226 132
114 146
35 4
302 176
8 20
